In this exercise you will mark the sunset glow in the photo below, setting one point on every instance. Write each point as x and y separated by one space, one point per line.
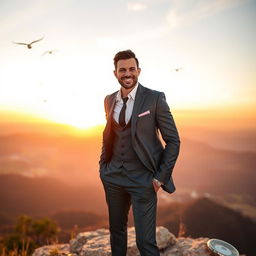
217 63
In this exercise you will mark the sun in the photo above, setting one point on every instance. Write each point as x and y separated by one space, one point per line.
81 118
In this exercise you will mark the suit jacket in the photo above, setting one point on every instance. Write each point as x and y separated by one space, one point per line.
146 141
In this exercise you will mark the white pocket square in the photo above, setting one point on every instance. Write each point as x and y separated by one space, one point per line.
144 113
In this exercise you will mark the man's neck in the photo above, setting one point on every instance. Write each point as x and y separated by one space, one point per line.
125 92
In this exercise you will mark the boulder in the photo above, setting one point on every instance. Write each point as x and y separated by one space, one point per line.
96 243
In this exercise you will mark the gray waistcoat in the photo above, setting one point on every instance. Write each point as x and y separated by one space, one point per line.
123 152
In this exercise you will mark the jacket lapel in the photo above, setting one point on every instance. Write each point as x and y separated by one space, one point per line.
139 100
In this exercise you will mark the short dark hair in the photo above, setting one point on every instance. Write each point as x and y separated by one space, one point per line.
125 55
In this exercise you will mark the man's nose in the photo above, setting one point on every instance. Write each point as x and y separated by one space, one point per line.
127 73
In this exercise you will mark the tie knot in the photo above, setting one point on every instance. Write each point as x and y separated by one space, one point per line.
125 100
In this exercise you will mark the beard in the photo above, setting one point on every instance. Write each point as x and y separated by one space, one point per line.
128 82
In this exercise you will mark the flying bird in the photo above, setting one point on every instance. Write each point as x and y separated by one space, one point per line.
30 44
49 52
177 69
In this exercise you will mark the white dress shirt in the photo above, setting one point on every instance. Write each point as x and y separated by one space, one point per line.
129 104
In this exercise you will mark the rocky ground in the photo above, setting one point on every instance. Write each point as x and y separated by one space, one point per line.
96 243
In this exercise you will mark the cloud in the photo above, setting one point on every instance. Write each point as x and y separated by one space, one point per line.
136 6
113 42
187 12
20 18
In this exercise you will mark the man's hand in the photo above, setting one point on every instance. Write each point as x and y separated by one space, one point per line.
157 184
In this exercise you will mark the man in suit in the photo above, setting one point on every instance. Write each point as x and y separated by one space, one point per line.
134 164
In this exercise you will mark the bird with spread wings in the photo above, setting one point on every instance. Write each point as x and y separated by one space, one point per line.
30 44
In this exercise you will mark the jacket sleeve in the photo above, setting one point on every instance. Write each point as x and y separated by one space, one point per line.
167 127
103 148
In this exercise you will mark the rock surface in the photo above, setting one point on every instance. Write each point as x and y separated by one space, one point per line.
96 243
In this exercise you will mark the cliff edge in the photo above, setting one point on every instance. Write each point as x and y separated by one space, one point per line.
96 243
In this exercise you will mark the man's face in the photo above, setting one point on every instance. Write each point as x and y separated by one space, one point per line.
127 73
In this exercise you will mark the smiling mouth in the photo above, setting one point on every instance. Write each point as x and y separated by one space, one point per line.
127 79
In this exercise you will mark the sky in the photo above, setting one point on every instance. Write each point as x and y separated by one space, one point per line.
212 41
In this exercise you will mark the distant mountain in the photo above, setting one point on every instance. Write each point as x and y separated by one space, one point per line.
68 219
74 160
85 208
236 138
74 221
208 169
44 196
205 218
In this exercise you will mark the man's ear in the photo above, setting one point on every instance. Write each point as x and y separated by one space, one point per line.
115 73
139 70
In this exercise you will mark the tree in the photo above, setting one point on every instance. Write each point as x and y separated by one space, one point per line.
29 234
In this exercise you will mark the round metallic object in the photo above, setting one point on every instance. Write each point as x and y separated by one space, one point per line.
221 248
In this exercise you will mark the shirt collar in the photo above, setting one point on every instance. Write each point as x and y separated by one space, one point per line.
131 94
